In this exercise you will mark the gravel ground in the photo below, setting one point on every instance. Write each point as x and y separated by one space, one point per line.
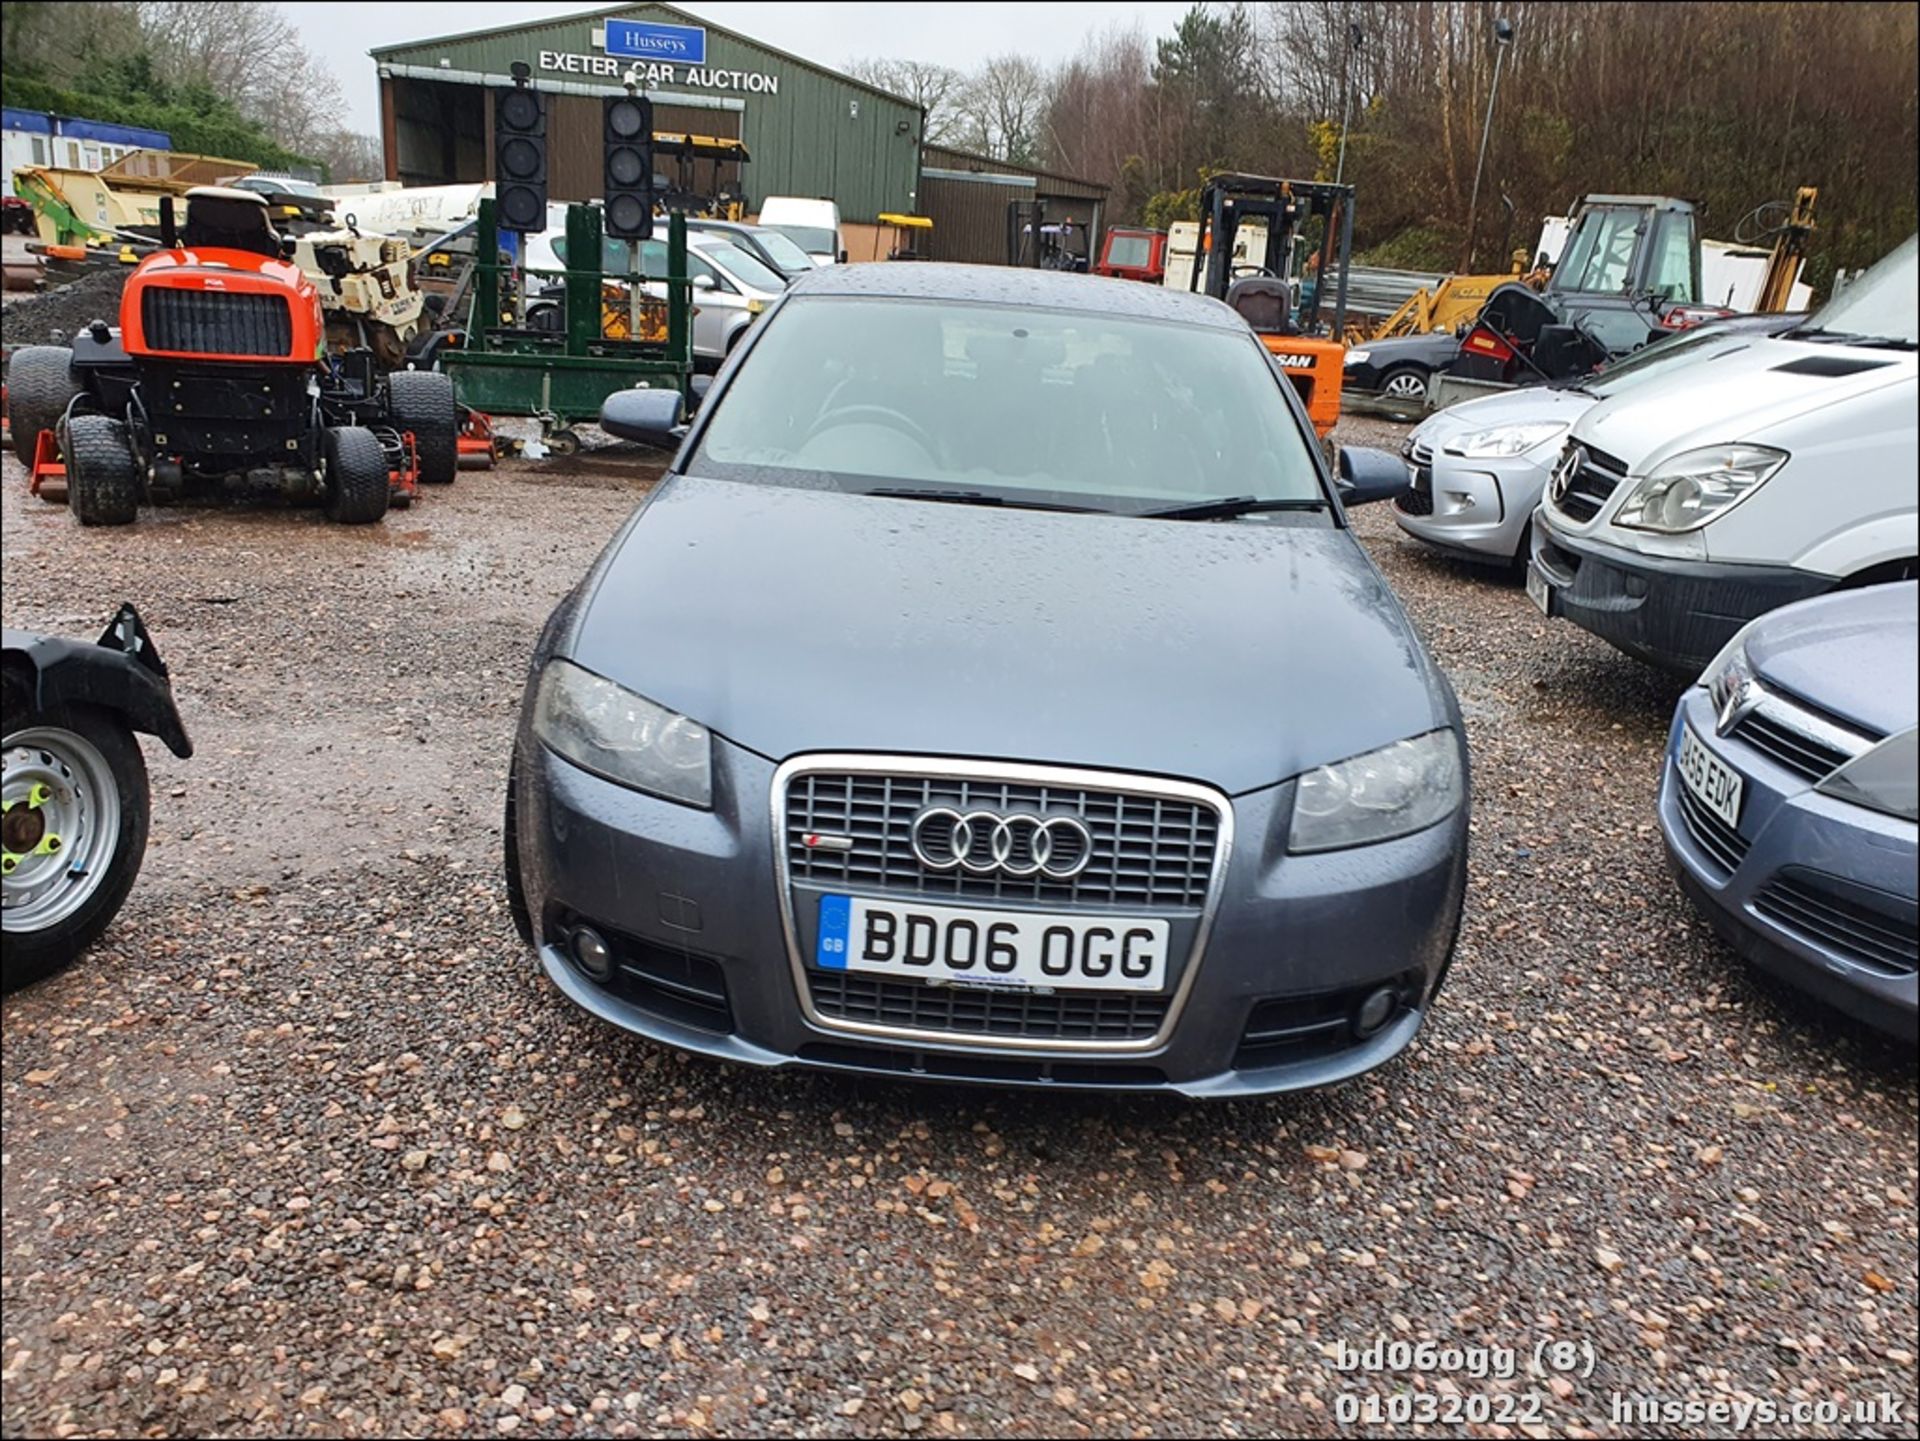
307 1146
32 318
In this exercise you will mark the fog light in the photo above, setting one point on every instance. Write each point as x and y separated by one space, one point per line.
592 954
1375 1011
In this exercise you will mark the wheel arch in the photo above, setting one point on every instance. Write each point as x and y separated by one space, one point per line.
59 671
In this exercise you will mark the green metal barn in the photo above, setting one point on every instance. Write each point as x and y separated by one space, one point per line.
808 130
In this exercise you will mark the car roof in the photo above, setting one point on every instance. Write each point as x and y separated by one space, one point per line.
1006 285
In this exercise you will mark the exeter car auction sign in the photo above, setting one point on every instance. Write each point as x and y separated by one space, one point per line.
659 55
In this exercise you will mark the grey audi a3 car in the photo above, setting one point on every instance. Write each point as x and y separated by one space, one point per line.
994 691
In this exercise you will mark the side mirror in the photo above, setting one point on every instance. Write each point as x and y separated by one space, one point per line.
703 282
1368 475
843 257
652 417
700 385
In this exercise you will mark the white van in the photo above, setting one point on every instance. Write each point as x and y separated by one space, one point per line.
1776 471
813 224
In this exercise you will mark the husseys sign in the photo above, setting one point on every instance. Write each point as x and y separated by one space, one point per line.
660 55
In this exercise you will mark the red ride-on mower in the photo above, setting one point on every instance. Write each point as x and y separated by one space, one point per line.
218 377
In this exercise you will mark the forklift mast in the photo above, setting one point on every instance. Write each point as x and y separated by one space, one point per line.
1287 207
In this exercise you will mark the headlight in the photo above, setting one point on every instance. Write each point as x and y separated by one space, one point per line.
1698 486
1884 779
1729 674
1507 439
1358 357
612 732
1394 791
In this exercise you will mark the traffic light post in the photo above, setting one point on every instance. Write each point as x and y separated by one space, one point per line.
626 182
520 155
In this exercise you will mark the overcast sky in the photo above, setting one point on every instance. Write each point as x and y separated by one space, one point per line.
957 34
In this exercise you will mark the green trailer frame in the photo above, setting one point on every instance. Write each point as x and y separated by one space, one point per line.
561 377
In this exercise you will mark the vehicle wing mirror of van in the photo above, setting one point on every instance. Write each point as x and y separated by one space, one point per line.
843 257
1367 475
655 417
703 282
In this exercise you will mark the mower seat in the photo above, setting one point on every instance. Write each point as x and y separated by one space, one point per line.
1264 303
222 219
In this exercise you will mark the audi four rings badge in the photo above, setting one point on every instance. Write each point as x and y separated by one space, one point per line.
983 842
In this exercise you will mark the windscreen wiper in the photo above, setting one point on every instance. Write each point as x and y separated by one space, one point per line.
1228 507
971 497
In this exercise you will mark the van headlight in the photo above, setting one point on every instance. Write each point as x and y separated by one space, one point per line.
1394 791
1503 440
1697 486
607 729
1885 779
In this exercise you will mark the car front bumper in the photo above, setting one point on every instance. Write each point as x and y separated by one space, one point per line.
1674 614
1480 509
689 902
1813 876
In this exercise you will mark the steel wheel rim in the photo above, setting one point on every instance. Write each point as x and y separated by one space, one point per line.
68 790
1405 387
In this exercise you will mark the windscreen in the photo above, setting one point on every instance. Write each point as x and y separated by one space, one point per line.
814 239
1599 257
786 254
1062 407
1129 250
1881 305
746 269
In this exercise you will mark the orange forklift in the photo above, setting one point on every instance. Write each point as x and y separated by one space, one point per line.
1295 297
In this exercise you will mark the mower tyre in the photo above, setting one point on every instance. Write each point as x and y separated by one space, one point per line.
422 401
357 476
103 478
75 780
40 386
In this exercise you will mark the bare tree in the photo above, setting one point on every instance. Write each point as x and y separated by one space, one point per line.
1003 106
250 53
934 88
348 156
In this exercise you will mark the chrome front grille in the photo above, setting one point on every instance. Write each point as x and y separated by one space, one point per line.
1418 499
216 323
1722 843
1792 734
1147 850
1592 486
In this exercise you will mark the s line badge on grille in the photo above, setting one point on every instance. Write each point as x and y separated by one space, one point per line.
815 841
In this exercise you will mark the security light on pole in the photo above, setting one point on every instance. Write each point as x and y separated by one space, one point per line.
1502 39
1356 37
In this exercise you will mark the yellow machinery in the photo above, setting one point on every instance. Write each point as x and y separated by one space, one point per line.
82 207
908 237
1789 248
1455 299
715 201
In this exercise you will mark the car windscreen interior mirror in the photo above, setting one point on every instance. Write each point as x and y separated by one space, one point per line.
1367 475
655 417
